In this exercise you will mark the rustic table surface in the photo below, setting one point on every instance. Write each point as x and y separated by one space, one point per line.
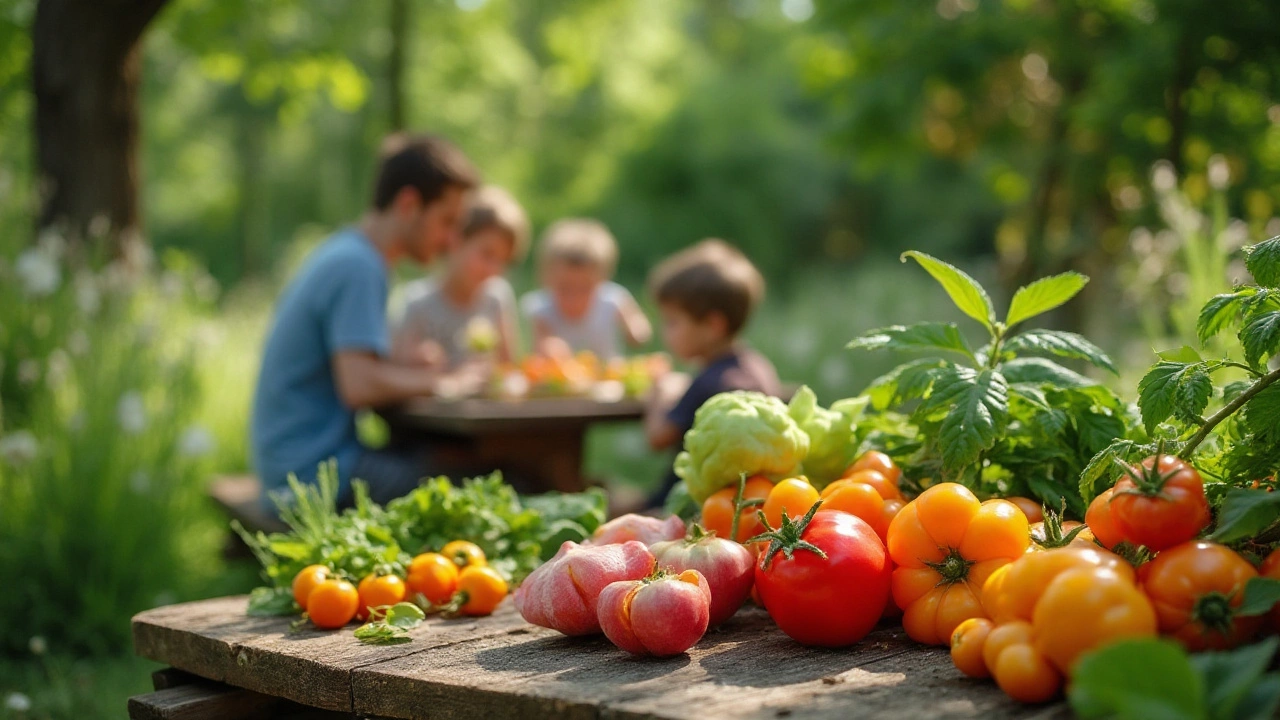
502 667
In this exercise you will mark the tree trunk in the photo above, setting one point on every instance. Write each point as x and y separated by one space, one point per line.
86 74
396 61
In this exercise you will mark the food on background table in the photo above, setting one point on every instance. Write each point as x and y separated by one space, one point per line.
563 593
824 579
663 614
727 566
648 530
578 375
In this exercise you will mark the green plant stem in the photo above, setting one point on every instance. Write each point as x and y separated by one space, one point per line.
1241 366
1227 411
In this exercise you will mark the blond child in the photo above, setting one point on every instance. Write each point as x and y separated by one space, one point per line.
578 307
469 308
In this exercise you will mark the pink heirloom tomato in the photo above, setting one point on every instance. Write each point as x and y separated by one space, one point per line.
661 615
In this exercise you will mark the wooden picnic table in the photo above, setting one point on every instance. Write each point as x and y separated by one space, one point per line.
502 667
536 440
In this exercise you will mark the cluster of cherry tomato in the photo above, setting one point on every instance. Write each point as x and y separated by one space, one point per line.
457 579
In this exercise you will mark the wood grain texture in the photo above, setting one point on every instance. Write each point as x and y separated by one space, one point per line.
500 667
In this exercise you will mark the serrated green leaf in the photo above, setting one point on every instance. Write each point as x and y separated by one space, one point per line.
1233 390
908 381
1097 431
1104 462
1263 262
1173 388
1260 595
1044 295
978 403
1229 676
1245 513
926 336
1185 354
964 291
1261 336
1261 414
1063 344
1040 371
1105 684
1220 311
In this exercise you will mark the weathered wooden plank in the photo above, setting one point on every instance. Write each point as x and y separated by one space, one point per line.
199 637
166 678
314 667
748 669
203 701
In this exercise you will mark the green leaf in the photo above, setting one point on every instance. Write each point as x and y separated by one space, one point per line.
1221 310
404 616
1260 595
1245 513
926 336
1040 371
1120 449
271 601
1137 680
1097 431
978 412
1230 678
1173 388
1263 262
1044 295
1261 336
1063 344
1260 702
908 381
1184 354
1261 414
965 292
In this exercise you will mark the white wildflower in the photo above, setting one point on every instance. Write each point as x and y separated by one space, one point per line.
1219 172
17 702
28 371
39 272
19 448
195 441
52 243
78 342
58 368
88 296
38 645
1163 177
131 413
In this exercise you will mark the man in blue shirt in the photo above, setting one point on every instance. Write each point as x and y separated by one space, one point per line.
327 353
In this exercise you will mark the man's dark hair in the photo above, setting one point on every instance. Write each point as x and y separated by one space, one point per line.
426 163
712 276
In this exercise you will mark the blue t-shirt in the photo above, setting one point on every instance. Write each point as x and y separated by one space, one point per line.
337 301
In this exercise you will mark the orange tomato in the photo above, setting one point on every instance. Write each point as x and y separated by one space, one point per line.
793 495
332 604
463 553
1196 588
434 576
482 589
1101 524
378 590
878 461
1087 608
890 511
717 510
945 544
967 643
1029 507
306 580
1002 636
857 499
1029 576
1271 569
877 480
1026 675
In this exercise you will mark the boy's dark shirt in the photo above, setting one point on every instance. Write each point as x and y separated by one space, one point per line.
739 369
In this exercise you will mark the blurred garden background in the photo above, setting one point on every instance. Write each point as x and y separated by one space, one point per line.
1137 141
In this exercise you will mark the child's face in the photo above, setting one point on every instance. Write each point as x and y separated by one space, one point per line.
572 287
689 338
484 255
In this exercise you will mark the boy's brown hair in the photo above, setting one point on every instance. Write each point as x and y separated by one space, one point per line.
581 242
426 163
712 276
493 207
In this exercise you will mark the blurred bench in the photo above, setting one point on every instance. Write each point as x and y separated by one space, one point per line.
183 696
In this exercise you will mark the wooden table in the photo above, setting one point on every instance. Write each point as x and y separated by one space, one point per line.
501 667
537 440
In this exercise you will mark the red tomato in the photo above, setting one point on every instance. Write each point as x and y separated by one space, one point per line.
1101 522
1271 569
1196 589
1161 504
833 588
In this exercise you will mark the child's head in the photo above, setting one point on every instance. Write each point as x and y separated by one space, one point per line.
495 232
705 294
421 181
574 257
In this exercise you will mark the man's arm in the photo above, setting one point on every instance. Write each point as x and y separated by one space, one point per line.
366 380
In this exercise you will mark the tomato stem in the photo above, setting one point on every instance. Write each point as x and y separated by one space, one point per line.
787 536
953 568
1213 610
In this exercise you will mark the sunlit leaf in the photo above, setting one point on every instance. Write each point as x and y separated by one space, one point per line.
1263 262
1107 684
1043 372
978 403
1063 344
1245 513
1173 388
1044 295
1220 311
1261 336
926 336
965 292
